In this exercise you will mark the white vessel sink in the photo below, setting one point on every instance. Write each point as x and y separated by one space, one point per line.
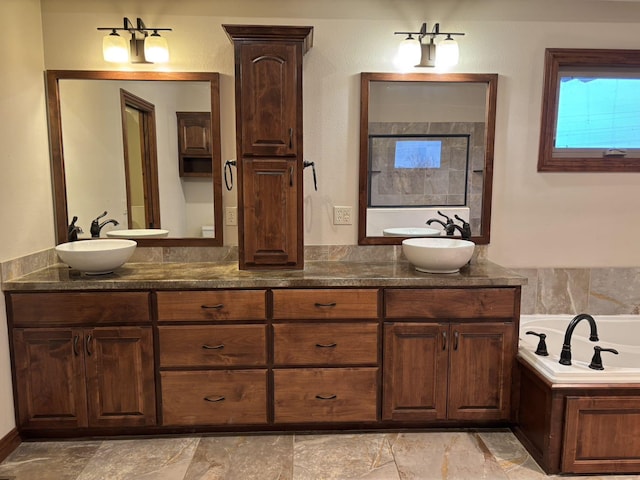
437 255
411 232
96 257
138 233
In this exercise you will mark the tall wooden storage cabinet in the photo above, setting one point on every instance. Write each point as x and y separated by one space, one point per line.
268 69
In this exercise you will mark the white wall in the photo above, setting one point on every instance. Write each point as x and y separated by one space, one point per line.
539 220
26 215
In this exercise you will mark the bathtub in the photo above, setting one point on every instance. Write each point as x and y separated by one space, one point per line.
621 332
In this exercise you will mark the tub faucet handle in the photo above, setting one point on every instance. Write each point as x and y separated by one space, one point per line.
596 361
542 344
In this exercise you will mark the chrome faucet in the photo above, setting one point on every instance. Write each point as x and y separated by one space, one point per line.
565 355
96 227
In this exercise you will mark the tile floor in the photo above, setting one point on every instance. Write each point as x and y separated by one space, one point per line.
451 455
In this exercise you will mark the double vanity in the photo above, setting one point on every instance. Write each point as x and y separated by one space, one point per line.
206 347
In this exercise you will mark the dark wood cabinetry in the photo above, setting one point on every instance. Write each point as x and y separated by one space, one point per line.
78 375
325 372
268 68
441 371
578 428
271 214
213 363
195 149
258 359
455 366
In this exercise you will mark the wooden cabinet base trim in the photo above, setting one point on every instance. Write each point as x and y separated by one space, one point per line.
9 443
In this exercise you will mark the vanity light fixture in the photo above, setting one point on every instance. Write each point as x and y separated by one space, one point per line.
415 52
151 48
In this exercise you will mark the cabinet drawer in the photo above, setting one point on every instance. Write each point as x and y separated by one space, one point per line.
327 343
211 305
37 309
294 304
325 395
214 397
450 303
212 345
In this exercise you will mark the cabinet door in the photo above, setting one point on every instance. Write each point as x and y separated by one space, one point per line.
120 379
481 362
269 98
194 133
49 376
271 219
415 371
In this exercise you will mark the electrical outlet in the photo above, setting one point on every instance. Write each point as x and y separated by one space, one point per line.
231 216
342 215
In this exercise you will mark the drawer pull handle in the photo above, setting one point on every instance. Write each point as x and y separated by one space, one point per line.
326 397
326 305
213 307
219 398
213 347
326 345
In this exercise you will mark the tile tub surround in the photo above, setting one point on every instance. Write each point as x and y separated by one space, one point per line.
462 455
598 291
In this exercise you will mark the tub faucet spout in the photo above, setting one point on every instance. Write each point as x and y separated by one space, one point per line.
565 355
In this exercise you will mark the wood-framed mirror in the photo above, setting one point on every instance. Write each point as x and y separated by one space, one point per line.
426 144
115 142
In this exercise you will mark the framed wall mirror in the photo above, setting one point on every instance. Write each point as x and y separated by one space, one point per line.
426 145
142 146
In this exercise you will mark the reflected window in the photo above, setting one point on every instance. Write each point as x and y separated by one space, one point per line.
418 154
419 170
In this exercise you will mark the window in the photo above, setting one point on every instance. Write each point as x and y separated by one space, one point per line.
590 111
418 154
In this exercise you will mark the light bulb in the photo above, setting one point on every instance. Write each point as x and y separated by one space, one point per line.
156 49
448 53
115 48
409 52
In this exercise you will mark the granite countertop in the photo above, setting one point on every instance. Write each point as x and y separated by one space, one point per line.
173 276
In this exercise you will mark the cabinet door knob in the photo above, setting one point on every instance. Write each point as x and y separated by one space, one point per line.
219 398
